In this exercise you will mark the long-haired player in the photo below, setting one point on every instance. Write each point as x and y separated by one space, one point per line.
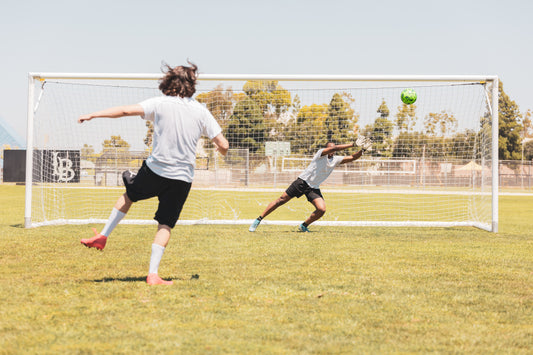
179 122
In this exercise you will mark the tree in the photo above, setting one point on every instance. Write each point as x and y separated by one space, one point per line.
296 104
220 102
246 128
341 123
528 150
271 97
311 129
440 124
463 144
314 112
87 153
528 125
438 127
406 118
87 150
115 144
381 132
509 127
274 103
284 127
407 145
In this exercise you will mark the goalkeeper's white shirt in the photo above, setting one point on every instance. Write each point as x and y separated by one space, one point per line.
178 125
319 169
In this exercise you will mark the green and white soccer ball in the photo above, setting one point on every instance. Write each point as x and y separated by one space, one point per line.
408 96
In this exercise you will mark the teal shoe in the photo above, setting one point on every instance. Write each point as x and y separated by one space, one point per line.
303 228
254 225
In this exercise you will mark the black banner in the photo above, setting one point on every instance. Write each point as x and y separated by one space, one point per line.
48 166
14 165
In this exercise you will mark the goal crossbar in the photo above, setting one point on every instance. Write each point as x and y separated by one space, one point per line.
279 77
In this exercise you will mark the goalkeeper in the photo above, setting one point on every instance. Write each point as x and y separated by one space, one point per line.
309 181
179 122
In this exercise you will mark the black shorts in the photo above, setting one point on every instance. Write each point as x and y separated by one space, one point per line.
146 184
300 187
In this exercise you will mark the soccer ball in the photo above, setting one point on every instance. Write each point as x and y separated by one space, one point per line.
408 96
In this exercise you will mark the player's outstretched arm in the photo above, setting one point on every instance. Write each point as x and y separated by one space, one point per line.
114 112
336 148
353 157
221 143
366 145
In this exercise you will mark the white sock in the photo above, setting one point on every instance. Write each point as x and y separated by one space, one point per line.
115 217
155 259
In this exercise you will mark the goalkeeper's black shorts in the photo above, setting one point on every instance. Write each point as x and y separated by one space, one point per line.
299 187
146 184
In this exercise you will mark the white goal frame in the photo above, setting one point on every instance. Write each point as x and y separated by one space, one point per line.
35 77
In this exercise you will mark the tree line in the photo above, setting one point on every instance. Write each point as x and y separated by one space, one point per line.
265 111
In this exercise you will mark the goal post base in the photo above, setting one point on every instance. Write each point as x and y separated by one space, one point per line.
294 223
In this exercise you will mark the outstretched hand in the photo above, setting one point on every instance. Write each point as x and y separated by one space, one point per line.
84 118
366 145
359 141
364 142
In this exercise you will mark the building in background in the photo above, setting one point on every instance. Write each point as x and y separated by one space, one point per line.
9 139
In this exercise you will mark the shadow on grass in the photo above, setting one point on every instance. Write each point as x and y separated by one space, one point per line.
121 279
139 278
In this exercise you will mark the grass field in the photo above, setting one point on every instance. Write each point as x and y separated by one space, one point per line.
276 291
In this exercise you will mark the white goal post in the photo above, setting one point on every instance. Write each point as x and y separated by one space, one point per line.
434 163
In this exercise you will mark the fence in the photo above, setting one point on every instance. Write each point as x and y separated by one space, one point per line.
240 168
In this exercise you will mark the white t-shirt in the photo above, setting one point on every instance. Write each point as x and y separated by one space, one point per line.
178 125
319 169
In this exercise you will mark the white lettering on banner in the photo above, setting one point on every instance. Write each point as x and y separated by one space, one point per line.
62 168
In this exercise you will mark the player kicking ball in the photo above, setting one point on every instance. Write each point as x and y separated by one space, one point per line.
179 122
308 183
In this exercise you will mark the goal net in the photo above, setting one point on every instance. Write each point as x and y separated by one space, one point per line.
432 163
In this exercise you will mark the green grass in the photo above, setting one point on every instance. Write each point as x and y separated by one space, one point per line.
276 291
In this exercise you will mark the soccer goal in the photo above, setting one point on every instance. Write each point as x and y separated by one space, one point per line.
433 163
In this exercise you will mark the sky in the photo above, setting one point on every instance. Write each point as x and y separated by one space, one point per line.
479 37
